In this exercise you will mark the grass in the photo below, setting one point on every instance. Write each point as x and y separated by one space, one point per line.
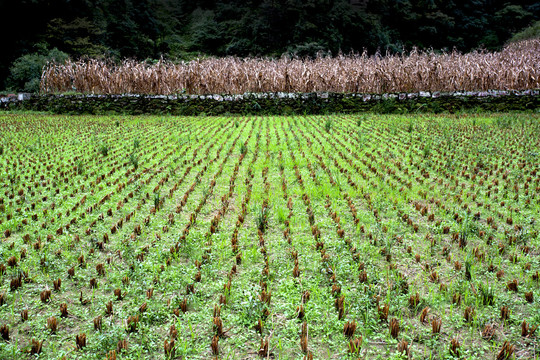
269 252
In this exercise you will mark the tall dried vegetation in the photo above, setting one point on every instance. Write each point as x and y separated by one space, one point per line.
516 67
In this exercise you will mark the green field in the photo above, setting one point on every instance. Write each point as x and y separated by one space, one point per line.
324 237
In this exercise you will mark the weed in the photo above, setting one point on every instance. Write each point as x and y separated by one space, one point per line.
382 241
486 293
80 167
262 219
426 150
281 215
104 149
504 122
157 200
243 149
134 160
328 125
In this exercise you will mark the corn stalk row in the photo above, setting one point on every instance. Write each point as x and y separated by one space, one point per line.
515 67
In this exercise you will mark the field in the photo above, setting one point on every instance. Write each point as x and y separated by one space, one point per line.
515 67
324 237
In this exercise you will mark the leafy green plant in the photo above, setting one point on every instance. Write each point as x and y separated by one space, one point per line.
243 148
328 125
157 200
104 149
504 122
468 270
487 294
281 215
262 219
134 160
80 167
25 72
426 150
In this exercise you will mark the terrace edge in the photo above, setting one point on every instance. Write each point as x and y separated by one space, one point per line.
278 103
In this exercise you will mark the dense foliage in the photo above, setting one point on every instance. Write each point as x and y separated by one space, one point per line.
273 104
149 29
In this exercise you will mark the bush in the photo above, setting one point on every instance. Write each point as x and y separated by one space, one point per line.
532 32
25 72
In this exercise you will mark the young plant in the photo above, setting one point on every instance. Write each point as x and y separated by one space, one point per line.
328 125
134 160
104 149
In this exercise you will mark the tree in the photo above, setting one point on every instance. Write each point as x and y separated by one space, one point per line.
531 32
79 37
25 72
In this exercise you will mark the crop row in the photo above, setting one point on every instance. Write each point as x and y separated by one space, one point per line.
513 68
299 237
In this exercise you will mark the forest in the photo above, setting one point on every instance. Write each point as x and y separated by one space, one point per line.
183 30
270 179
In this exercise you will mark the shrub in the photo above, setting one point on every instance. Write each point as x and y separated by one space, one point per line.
25 72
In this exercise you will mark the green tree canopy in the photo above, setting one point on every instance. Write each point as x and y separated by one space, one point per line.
150 29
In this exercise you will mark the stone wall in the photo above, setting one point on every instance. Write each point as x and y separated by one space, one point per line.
280 103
